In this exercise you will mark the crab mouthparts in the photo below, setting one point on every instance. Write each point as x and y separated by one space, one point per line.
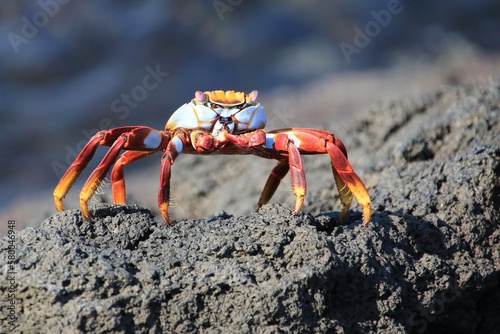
225 120
225 127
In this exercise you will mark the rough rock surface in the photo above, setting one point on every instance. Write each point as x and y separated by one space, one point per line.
428 262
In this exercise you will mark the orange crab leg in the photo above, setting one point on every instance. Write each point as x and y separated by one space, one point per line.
102 138
345 176
298 176
117 177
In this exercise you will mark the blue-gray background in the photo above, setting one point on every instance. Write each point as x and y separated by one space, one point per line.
67 66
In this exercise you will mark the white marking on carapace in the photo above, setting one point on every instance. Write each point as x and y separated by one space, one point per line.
251 118
192 116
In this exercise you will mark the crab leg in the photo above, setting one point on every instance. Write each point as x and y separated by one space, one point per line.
102 138
293 162
344 193
292 142
138 138
272 183
281 142
298 176
142 139
345 176
98 174
174 148
200 141
117 178
164 191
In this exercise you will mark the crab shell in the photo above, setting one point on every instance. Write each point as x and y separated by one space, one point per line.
215 111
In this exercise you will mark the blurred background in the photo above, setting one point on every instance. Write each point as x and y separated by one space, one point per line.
71 68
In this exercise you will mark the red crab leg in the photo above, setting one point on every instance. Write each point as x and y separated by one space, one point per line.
98 175
272 183
344 192
195 141
283 143
174 148
314 141
117 178
102 138
140 138
293 163
345 176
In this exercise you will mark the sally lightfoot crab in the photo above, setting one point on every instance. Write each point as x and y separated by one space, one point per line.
222 122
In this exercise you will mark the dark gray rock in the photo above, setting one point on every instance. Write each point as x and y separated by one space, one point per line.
428 262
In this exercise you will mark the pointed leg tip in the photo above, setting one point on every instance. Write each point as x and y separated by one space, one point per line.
59 205
58 200
166 217
86 214
164 214
366 216
167 220
85 210
298 203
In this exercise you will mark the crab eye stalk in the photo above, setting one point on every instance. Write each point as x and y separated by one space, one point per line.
252 97
200 96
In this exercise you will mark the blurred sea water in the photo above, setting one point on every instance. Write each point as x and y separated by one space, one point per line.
70 68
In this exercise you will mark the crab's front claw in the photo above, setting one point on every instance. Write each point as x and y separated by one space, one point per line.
206 143
221 136
247 140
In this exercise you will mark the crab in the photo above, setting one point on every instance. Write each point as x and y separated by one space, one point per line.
222 122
